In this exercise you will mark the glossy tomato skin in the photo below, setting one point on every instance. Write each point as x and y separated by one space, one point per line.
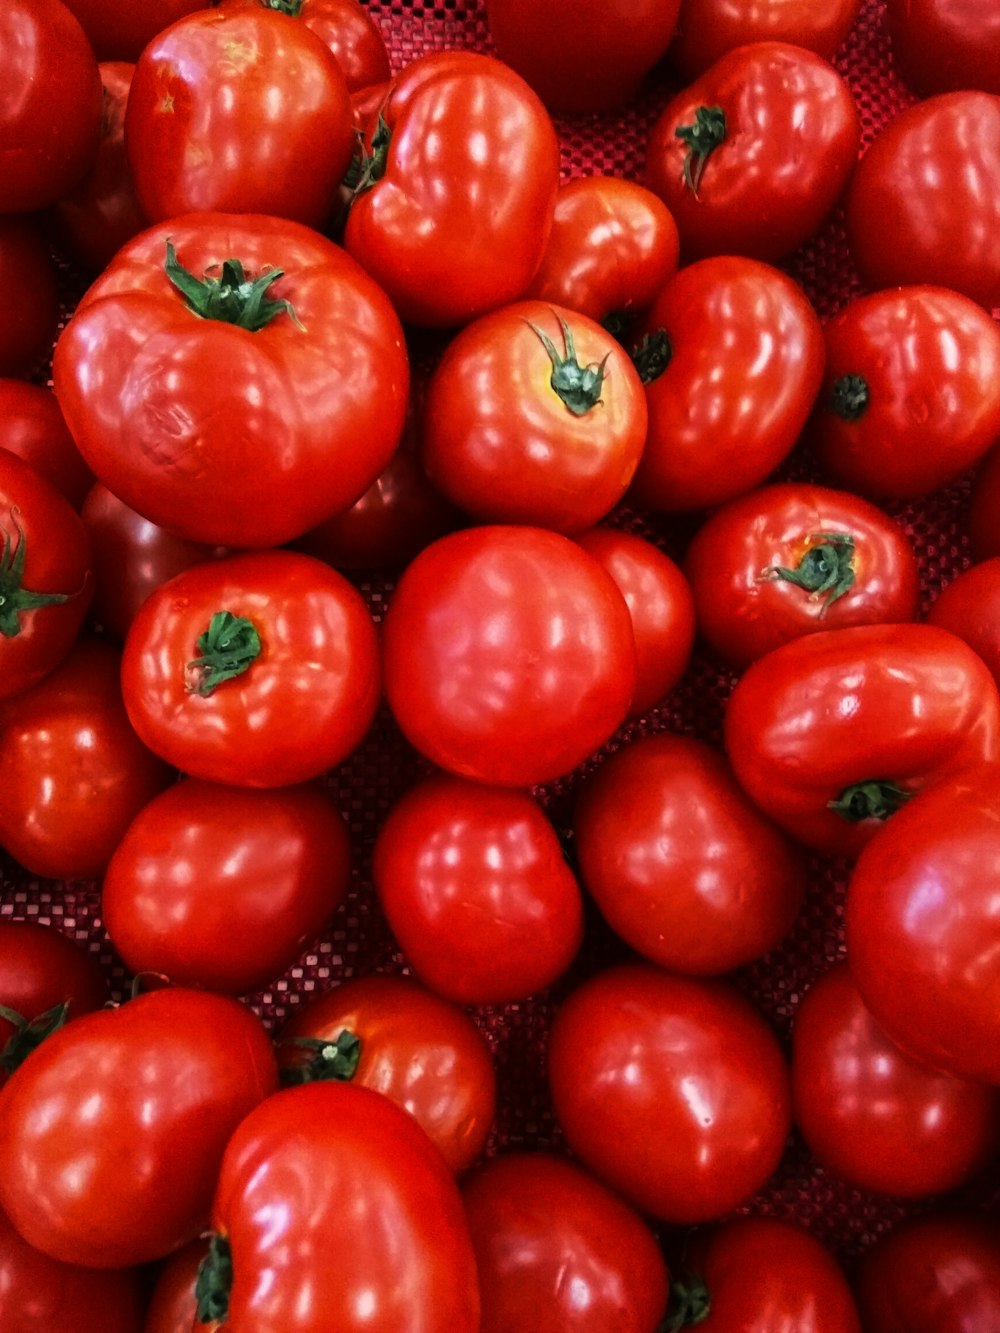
924 204
119 29
31 302
220 434
969 606
745 362
302 704
707 29
172 1305
872 1115
32 426
984 508
472 168
477 676
347 28
331 1168
673 1091
787 151
945 45
111 1133
422 1052
756 585
898 705
556 1249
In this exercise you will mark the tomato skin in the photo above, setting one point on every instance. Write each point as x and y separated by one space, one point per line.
673 1091
945 45
984 507
350 32
172 1306
448 676
556 1249
969 607
119 29
904 704
871 1114
31 304
791 140
32 426
112 1131
420 1051
924 204
745 610
707 29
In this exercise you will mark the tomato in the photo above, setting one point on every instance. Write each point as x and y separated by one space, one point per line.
172 1306
389 1034
112 1131
752 157
260 669
475 888
904 368
119 29
732 366
984 508
333 1169
239 422
555 1249
707 29
793 558
31 303
32 426
969 606
833 733
588 56
674 1091
944 46
534 415
508 654
466 165
345 26
222 887
924 204
681 864
926 959
871 1114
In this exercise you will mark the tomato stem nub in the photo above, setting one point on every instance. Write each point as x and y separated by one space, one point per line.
14 598
329 1061
228 647
232 298
214 1281
702 138
652 355
874 799
368 167
825 572
579 387
690 1304
293 8
849 397
29 1033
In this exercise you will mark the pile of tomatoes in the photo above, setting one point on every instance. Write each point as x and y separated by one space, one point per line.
500 613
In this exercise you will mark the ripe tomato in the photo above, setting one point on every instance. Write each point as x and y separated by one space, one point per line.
119 29
31 303
345 26
32 426
555 1249
983 518
790 559
508 654
112 1131
944 46
707 29
173 1306
674 1091
260 669
969 606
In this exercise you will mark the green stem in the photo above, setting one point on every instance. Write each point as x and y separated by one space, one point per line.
874 799
690 1304
228 647
232 298
826 571
29 1034
367 167
702 138
578 387
652 355
293 8
850 396
329 1061
15 599
214 1281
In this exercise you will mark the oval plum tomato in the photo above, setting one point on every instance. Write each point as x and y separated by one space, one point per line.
239 408
112 1131
335 1169
752 157
466 164
939 1273
389 1034
983 518
707 29
346 27
31 302
682 865
32 426
508 654
119 29
969 606
50 107
660 604
672 1090
761 1275
588 56
555 1249
924 204
259 670
534 415
911 392
945 46
475 888
173 1305
872 1115
222 887
832 733
793 558
73 773
927 961
732 363
200 124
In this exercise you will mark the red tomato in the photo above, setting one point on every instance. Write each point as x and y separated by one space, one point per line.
752 157
31 303
112 1132
173 1306
32 426
681 864
389 1034
345 26
944 46
119 29
924 205
475 888
478 603
969 606
534 415
215 431
332 1169
673 1091
871 1114
555 1249
832 733
707 29
259 670
983 521
467 165
732 367
793 558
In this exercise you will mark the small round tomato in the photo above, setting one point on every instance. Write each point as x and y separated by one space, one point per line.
944 46
969 607
707 29
345 26
31 302
32 426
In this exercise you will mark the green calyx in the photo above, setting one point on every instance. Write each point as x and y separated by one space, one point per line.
227 648
702 138
232 298
28 1034
652 355
579 387
15 599
849 397
368 166
690 1304
293 8
869 800
826 571
214 1281
329 1061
